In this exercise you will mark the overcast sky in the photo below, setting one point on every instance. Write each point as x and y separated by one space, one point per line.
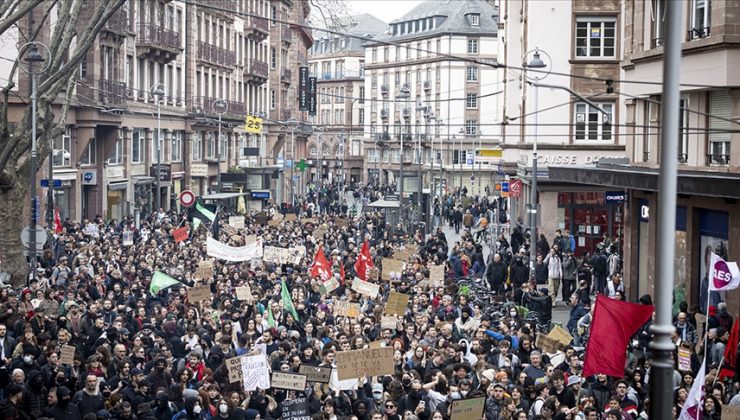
385 10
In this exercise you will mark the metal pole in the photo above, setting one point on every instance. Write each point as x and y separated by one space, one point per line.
220 142
292 167
50 201
460 158
533 192
480 166
34 163
158 195
661 346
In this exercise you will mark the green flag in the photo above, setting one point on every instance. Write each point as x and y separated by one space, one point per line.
270 318
204 211
287 301
161 281
196 223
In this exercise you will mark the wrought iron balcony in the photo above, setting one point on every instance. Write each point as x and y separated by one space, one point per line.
112 91
118 23
285 75
203 105
427 85
696 33
385 89
256 72
157 43
286 34
384 114
224 8
257 28
683 157
216 55
717 160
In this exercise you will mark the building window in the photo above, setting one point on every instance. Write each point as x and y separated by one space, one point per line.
361 116
177 146
474 20
155 140
374 81
720 105
472 74
272 99
116 155
89 156
273 58
211 146
471 127
273 13
197 146
592 124
62 149
595 37
657 18
313 150
373 155
223 148
472 46
683 131
375 55
386 54
137 145
701 18
471 100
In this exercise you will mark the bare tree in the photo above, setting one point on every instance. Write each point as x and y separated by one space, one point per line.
70 37
333 15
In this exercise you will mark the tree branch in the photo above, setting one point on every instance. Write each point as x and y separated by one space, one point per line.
27 7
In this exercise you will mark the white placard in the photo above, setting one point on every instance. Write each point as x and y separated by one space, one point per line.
232 253
255 372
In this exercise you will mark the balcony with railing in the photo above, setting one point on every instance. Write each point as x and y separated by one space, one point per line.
112 91
223 8
203 106
257 28
337 75
118 23
216 55
384 90
683 158
256 72
696 33
718 159
286 33
285 75
157 43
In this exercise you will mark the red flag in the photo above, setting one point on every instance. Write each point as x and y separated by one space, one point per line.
614 322
364 261
341 273
321 267
730 363
57 222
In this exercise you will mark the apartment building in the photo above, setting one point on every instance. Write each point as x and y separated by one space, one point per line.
579 43
210 59
708 216
431 88
338 62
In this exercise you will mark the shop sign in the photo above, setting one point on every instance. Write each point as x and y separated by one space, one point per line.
199 170
567 159
644 211
165 172
615 197
114 172
90 178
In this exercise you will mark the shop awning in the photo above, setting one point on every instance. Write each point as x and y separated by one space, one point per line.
118 186
710 184
222 196
142 180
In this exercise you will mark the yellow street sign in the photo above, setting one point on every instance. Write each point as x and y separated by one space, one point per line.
253 124
491 153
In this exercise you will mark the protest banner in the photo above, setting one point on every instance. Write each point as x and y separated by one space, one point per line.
437 276
376 344
388 323
396 304
250 239
91 229
255 372
277 255
562 336
244 293
329 286
365 288
546 343
67 356
365 362
392 270
373 274
234 367
128 238
199 294
231 253
320 231
730 412
282 380
290 217
180 234
470 409
320 374
204 270
273 222
341 222
684 359
237 222
296 409
345 308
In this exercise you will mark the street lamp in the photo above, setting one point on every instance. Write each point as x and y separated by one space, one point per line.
405 93
158 92
292 124
461 132
535 63
33 57
220 107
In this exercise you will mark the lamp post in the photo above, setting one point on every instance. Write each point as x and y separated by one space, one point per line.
292 124
535 63
33 57
220 107
461 132
158 92
478 161
404 94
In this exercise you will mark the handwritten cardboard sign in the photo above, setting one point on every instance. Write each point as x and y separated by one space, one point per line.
547 344
388 323
437 276
290 217
373 274
237 222
199 294
67 356
377 344
562 336
296 409
282 380
255 372
329 286
204 270
684 359
348 309
250 239
244 293
128 238
368 362
234 367
730 412
365 288
180 234
396 304
320 374
392 270
471 409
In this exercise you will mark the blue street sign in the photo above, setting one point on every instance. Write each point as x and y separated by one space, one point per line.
45 183
296 177
504 187
288 163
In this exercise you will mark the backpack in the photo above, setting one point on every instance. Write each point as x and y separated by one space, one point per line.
532 411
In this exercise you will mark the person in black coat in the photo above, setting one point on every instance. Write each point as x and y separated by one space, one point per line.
519 272
497 274
64 409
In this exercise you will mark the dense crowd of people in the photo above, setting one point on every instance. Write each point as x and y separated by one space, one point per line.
143 355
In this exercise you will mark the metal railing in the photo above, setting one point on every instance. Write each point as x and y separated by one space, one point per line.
285 75
257 68
385 89
696 33
203 105
260 24
118 22
683 157
656 42
112 91
215 54
645 156
158 36
286 33
717 159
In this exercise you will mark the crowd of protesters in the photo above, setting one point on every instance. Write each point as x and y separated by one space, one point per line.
159 356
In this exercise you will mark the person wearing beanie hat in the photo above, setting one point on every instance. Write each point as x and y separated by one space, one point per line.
64 408
252 414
